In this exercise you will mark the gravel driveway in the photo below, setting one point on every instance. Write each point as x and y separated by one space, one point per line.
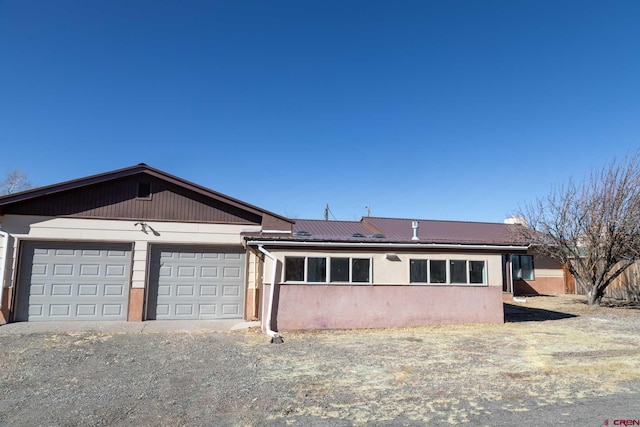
556 361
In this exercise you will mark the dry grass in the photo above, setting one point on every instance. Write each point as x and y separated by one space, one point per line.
450 373
438 374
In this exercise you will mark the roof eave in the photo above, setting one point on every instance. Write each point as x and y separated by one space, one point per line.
378 245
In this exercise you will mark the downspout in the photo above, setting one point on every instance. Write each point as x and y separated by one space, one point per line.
510 274
275 338
3 264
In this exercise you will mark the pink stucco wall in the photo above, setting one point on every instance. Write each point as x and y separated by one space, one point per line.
343 307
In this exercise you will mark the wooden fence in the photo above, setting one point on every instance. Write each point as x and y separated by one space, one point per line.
626 286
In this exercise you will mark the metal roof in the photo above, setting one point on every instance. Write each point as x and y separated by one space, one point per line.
399 230
436 231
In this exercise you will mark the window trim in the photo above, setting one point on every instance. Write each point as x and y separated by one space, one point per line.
285 269
448 279
327 273
518 275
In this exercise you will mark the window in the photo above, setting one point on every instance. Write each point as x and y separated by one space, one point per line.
458 271
418 271
455 271
144 190
339 269
314 270
294 269
438 272
522 266
360 268
476 271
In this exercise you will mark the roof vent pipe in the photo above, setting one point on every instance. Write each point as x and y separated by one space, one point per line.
415 225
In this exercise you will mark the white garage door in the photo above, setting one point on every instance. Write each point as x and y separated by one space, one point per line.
196 283
73 281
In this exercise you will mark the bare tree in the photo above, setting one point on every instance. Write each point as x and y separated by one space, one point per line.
591 227
14 181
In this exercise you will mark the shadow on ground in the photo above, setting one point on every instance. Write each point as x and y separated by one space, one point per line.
516 313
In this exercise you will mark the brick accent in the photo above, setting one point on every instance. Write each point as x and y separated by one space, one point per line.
540 286
136 304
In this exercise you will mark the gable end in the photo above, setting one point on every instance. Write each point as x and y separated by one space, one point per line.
123 198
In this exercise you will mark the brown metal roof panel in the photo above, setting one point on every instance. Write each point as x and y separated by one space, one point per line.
332 229
401 230
437 231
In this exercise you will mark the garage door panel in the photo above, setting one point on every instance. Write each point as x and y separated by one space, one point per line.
87 290
231 272
36 310
73 281
189 283
184 309
230 309
39 270
164 290
61 290
114 290
62 270
208 309
162 310
188 271
208 290
37 289
211 255
59 310
85 310
210 272
117 254
185 290
90 253
116 270
186 255
89 269
231 291
112 310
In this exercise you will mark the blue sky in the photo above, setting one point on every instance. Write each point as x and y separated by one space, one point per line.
460 110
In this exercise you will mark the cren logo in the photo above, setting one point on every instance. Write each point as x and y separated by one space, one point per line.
624 422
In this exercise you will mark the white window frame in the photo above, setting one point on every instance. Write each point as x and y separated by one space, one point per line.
518 275
304 270
327 280
448 281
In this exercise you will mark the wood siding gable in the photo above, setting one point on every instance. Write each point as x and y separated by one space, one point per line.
118 199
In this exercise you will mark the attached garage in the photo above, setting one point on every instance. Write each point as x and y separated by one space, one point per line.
60 281
131 244
196 283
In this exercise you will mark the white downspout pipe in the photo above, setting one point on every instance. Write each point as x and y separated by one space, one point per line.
3 264
274 335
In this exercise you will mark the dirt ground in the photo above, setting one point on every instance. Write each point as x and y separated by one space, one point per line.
553 353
